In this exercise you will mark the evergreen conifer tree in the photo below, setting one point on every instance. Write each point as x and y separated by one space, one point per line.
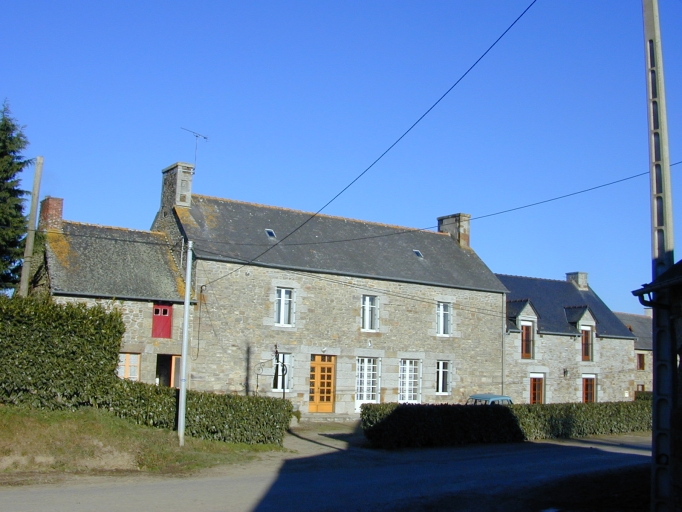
12 219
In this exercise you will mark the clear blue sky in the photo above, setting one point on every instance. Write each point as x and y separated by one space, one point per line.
297 98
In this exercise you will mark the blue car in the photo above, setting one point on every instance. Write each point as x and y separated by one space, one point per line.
489 399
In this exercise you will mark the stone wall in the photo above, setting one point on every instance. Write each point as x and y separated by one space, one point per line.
137 317
613 364
236 333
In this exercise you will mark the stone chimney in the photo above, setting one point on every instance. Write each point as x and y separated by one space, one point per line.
177 186
458 227
51 209
579 279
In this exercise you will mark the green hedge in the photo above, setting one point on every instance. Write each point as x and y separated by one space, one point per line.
416 425
548 421
65 357
408 425
56 356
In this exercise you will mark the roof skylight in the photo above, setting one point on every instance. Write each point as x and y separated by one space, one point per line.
270 233
417 253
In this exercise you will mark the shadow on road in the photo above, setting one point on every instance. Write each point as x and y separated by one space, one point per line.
348 475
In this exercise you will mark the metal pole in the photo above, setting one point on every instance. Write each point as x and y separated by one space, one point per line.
30 236
662 256
185 343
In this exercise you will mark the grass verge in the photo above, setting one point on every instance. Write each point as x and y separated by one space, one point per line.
95 441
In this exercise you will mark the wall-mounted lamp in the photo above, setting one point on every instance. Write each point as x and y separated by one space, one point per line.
324 350
565 372
369 343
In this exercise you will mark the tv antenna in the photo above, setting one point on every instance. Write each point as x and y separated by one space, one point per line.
196 143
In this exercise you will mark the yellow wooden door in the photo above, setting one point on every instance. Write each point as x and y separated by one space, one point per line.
321 383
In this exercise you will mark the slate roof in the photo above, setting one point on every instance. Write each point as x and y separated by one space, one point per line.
557 302
98 261
671 277
234 231
640 326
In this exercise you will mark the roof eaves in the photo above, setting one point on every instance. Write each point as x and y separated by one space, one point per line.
64 293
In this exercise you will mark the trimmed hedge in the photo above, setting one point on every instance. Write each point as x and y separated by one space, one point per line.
409 425
547 421
56 356
65 357
418 426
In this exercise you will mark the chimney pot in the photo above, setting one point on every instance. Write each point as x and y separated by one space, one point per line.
51 210
579 279
458 227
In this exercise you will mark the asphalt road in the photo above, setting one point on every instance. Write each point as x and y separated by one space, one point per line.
335 471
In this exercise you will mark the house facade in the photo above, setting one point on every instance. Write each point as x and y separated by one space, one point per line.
332 312
563 344
640 326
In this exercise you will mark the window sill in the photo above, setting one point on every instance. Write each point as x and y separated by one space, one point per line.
286 326
441 393
444 335
369 330
281 390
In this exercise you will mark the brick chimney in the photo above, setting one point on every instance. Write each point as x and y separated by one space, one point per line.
458 227
579 279
177 186
51 209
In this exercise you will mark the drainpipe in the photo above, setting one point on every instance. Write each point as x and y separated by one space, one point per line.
504 333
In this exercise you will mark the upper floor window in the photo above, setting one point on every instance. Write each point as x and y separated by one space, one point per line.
284 307
586 343
444 319
370 313
526 340
641 364
442 377
162 321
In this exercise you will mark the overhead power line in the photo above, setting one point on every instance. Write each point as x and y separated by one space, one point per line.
396 141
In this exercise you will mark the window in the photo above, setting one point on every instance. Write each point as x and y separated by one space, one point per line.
370 313
640 387
366 381
444 319
526 340
162 321
128 366
589 388
587 344
537 388
270 233
282 372
641 364
284 307
409 389
442 377
168 370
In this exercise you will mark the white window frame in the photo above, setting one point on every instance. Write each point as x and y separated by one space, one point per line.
443 377
367 381
410 381
125 364
370 313
286 380
444 319
285 307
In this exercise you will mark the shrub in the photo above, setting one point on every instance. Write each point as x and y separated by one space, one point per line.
407 425
65 356
644 395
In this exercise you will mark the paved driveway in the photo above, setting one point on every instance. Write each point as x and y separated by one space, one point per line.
335 471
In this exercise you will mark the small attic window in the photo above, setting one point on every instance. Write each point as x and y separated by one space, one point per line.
417 253
270 233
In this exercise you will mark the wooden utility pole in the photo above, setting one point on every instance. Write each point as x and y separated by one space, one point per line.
662 256
30 236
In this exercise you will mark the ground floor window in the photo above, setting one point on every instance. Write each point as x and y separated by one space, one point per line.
128 366
443 377
589 388
641 387
409 389
168 370
537 388
367 381
282 372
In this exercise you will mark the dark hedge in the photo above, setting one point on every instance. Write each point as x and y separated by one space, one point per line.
65 356
408 425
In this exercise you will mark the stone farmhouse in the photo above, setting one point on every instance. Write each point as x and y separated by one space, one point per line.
564 344
338 313
641 327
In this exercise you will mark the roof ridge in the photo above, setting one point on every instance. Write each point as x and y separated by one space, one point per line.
631 314
535 278
392 226
114 227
